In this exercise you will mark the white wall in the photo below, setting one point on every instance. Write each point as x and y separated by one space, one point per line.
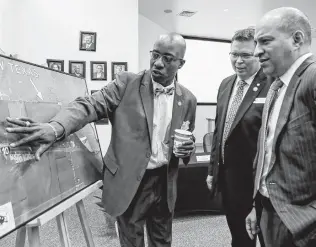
2 8
314 46
201 124
148 32
37 30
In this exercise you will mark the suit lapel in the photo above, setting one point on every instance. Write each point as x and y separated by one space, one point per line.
177 111
223 105
147 97
252 92
288 102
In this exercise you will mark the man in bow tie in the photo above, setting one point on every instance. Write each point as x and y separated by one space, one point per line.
141 168
238 119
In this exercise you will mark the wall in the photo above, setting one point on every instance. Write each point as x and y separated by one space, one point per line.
148 32
37 30
2 8
201 124
314 46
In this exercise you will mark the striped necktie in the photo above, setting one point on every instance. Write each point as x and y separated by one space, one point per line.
267 109
232 112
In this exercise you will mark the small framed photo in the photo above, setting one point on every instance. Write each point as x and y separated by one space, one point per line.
77 68
55 64
118 67
98 70
88 41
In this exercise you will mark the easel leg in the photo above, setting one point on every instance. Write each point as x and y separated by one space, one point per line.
33 236
63 230
84 222
20 237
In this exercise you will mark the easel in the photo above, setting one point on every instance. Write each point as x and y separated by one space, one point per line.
32 228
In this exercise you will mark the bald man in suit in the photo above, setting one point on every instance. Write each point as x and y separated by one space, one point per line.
285 175
141 164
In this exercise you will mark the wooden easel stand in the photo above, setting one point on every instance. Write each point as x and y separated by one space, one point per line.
58 212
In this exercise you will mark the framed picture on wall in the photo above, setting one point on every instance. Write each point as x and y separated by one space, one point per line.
98 70
103 121
88 41
118 67
77 68
55 64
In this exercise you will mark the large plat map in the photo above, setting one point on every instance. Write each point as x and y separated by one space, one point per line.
29 187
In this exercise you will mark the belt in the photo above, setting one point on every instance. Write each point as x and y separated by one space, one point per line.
156 171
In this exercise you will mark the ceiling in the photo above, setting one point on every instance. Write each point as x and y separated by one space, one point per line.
216 18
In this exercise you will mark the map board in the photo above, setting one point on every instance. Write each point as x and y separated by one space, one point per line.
29 187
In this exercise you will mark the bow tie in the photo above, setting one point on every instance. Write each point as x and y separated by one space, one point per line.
167 91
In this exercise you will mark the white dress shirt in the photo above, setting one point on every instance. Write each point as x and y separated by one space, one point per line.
163 106
248 81
272 121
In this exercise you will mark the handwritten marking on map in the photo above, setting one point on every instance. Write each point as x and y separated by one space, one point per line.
6 218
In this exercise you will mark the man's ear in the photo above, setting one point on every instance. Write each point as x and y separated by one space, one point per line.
182 62
298 38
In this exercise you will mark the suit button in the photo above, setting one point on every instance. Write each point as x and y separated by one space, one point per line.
148 154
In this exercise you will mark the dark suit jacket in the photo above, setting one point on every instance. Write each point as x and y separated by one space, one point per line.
241 143
128 103
291 181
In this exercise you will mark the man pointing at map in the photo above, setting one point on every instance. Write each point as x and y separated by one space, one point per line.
141 163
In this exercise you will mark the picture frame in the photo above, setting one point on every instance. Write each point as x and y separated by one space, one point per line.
103 121
55 64
77 68
118 67
98 70
88 41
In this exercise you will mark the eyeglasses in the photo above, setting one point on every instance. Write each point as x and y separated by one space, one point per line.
165 58
243 56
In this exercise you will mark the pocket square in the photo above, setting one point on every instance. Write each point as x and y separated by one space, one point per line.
259 100
185 125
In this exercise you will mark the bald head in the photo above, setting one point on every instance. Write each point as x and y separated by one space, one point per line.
282 36
167 57
289 20
173 39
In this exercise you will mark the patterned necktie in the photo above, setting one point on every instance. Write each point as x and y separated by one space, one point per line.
267 109
168 91
232 112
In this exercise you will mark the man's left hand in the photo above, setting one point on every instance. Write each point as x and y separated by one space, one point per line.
185 149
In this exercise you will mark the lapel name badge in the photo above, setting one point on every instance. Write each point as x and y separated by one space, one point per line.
255 89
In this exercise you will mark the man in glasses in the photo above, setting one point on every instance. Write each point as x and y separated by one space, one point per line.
141 167
240 103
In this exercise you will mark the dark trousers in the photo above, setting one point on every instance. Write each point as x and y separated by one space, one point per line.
149 206
237 204
275 233
236 224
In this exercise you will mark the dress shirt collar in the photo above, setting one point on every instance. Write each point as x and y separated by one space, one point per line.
158 85
287 76
249 80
